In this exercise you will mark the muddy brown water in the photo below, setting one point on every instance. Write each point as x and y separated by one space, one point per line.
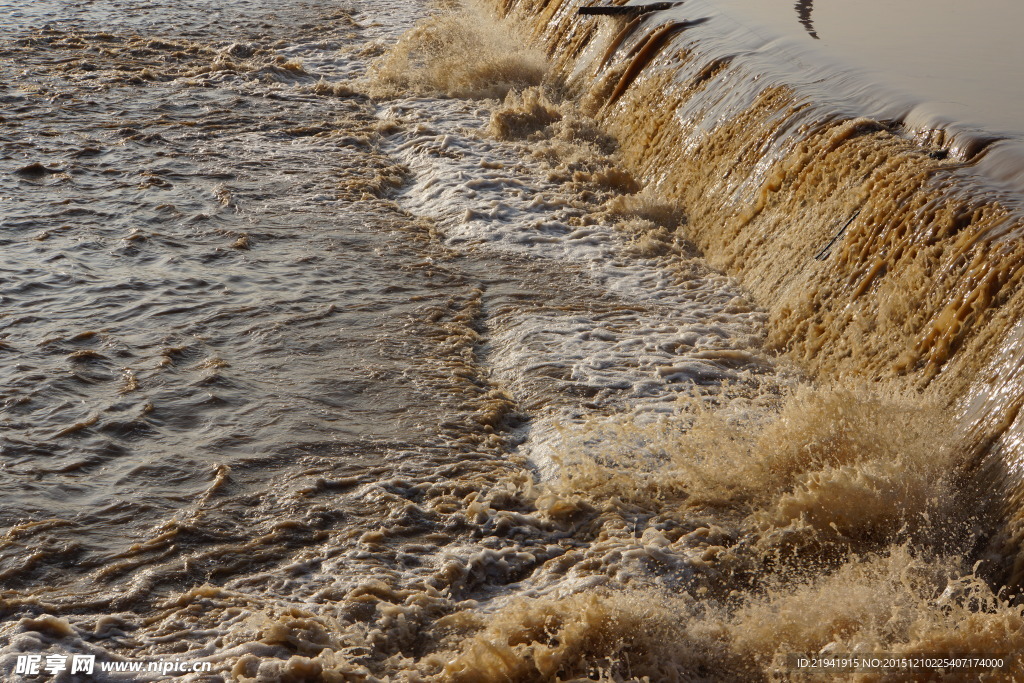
323 361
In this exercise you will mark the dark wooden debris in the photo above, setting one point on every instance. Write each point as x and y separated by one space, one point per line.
626 10
824 253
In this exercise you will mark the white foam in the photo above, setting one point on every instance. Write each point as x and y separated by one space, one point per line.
640 353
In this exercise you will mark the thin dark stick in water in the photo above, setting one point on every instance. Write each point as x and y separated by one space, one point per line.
626 10
824 253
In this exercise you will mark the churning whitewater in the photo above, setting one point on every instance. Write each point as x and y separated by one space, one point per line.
391 341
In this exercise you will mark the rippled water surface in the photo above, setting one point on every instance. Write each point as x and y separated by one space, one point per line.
253 319
188 286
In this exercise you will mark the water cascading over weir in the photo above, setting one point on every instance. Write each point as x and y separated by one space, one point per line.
883 246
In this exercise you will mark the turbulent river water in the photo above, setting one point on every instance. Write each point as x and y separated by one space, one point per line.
363 341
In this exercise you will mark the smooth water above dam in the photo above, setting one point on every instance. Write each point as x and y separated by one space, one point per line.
958 59
931 65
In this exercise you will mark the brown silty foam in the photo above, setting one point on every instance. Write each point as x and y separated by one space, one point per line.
877 251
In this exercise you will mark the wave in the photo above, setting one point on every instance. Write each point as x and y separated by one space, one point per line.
878 250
